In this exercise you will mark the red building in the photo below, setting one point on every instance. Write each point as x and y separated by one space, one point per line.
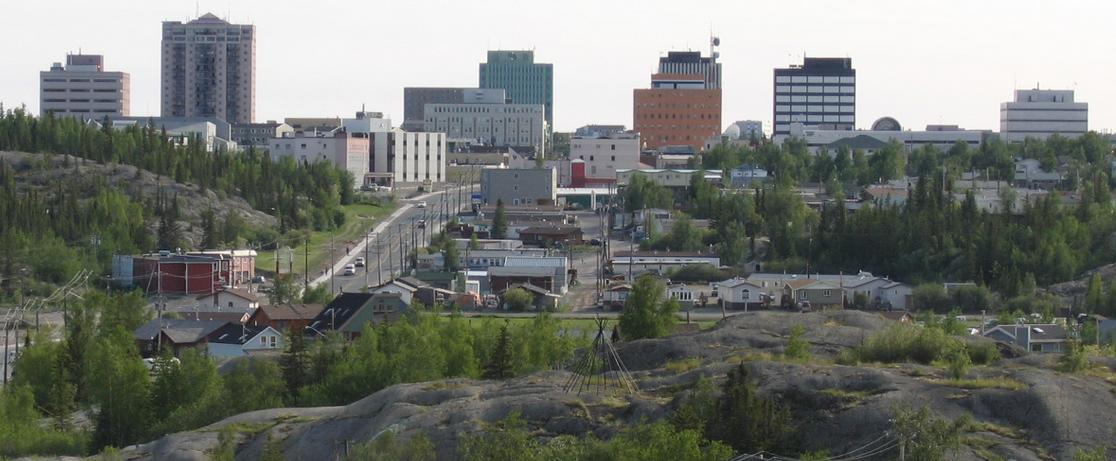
181 274
678 110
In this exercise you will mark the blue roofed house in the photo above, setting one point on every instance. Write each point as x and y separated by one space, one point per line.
1032 337
234 340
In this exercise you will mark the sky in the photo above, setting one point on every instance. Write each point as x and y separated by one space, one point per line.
921 62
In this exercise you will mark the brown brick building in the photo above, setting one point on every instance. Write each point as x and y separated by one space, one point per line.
677 110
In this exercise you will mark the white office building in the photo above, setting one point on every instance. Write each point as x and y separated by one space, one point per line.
1042 113
344 150
884 131
502 125
605 154
82 88
396 156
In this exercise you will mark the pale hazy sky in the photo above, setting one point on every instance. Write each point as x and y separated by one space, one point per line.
943 61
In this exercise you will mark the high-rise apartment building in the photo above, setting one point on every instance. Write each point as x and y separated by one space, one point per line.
1042 113
524 80
82 88
209 69
819 93
678 110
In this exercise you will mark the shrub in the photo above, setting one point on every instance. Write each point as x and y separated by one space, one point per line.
798 349
958 364
982 352
1074 360
903 343
931 296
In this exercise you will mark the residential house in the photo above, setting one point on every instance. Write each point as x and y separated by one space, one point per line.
738 293
686 296
546 236
239 340
175 335
231 299
406 287
235 316
285 317
898 316
1032 337
483 259
816 293
880 293
543 299
616 295
350 312
639 262
500 278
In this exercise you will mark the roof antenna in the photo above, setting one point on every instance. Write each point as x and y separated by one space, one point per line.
197 8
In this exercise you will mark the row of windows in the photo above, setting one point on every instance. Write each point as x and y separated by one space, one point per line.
815 118
714 128
115 101
846 89
580 145
591 158
677 106
484 109
81 80
816 109
674 116
686 93
812 98
814 79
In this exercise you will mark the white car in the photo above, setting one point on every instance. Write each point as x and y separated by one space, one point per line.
349 270
421 204
359 261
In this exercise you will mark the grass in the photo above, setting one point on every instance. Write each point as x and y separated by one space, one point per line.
359 218
987 383
841 394
682 366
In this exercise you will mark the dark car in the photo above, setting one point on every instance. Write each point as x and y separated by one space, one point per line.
595 242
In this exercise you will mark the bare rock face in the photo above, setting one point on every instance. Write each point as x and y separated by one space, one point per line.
1020 408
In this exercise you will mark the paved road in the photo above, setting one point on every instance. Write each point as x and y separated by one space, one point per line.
698 315
382 253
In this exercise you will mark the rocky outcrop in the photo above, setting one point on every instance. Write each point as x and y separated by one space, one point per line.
1021 408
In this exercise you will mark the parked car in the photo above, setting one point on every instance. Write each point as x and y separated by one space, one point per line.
421 204
359 261
595 242
422 224
349 270
259 279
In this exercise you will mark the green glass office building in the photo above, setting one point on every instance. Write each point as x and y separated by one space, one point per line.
524 80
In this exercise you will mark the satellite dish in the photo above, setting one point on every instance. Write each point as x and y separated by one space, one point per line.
716 41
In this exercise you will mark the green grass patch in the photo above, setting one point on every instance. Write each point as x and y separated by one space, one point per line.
987 383
682 366
359 219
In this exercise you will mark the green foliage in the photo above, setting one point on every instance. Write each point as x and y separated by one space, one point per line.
926 436
683 236
500 221
907 343
285 291
295 362
648 313
696 410
317 295
22 435
386 447
1074 359
931 297
518 299
226 443
746 421
120 388
958 364
1095 454
1094 296
982 352
499 365
798 349
661 441
186 393
698 273
252 384
272 449
641 193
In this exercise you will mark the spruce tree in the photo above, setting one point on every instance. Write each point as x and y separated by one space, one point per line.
500 365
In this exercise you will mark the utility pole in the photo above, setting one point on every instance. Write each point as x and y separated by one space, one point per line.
402 261
413 247
333 263
306 263
366 265
379 263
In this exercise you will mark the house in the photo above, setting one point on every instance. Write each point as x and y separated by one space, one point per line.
639 262
406 287
616 295
685 295
898 316
738 293
1029 173
348 313
175 334
237 317
231 299
239 340
880 293
1032 337
745 176
814 293
285 317
499 278
559 264
546 236
543 299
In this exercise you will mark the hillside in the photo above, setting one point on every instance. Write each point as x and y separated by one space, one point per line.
41 171
1028 412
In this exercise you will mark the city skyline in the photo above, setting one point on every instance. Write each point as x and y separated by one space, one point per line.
942 74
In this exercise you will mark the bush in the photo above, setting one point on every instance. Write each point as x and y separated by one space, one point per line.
982 352
798 349
904 343
1074 360
518 299
958 364
971 298
699 273
930 296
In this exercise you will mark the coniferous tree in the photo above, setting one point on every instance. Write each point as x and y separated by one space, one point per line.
295 363
500 221
500 365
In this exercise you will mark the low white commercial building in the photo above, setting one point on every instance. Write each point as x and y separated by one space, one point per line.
83 89
344 150
603 155
884 131
1042 113
514 125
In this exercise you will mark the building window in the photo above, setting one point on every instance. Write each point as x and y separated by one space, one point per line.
825 293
